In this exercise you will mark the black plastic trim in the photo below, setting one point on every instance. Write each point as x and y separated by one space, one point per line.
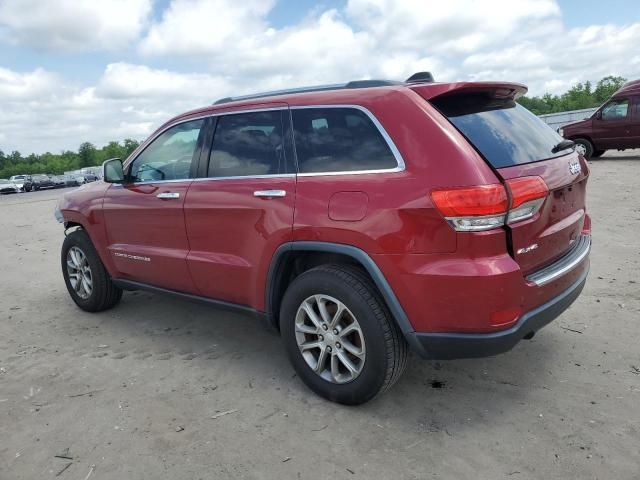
363 259
131 285
449 346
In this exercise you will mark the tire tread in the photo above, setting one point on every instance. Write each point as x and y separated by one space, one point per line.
396 345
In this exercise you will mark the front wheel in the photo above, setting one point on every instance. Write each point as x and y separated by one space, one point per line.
584 147
339 335
87 280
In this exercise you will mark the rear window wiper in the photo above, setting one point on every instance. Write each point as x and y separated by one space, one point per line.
563 145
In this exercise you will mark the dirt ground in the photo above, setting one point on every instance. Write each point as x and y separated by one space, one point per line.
141 391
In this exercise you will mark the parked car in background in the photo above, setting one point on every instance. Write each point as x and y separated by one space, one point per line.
58 181
41 181
360 221
614 126
8 186
73 180
89 177
23 181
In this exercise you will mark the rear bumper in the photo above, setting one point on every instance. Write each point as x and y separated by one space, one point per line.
448 346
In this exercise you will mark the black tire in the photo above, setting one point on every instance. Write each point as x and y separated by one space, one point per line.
36 188
386 348
105 294
597 153
588 146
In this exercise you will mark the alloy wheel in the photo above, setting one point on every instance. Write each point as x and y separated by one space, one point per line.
79 273
330 339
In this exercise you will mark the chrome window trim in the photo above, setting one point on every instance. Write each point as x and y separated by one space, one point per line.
151 182
245 177
564 264
387 138
401 166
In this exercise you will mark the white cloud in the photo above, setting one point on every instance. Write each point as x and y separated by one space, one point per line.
205 27
232 49
43 113
450 27
127 81
26 87
73 25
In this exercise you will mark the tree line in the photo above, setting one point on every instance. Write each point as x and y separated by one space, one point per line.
86 156
581 95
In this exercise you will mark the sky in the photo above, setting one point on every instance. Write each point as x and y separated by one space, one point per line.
101 70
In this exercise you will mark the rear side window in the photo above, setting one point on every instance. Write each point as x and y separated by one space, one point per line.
503 131
339 140
247 144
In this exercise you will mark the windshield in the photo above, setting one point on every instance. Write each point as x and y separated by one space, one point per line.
504 132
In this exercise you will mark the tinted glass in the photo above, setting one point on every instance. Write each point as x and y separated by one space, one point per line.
504 132
339 140
169 156
248 144
615 110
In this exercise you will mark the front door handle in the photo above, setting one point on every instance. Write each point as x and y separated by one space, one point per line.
270 193
168 195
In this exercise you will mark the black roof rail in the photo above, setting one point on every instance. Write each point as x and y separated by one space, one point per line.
317 88
419 77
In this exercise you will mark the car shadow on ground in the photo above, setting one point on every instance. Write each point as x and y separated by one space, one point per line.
242 348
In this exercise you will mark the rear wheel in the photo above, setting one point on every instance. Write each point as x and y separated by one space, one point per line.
87 281
584 147
597 153
339 335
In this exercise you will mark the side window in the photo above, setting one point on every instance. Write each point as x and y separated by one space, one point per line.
339 140
169 156
616 110
247 144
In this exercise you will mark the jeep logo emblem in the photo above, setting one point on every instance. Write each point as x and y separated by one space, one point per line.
574 167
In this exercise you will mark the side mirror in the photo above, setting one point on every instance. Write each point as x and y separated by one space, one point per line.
112 171
599 115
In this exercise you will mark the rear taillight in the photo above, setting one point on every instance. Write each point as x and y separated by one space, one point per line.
527 196
483 207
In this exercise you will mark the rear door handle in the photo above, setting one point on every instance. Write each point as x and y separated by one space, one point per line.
168 195
270 193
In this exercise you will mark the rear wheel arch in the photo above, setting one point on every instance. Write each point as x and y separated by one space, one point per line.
293 258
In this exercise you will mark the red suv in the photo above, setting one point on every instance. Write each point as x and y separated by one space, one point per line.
615 125
360 220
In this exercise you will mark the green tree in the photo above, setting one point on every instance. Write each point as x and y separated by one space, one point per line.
579 96
87 155
130 145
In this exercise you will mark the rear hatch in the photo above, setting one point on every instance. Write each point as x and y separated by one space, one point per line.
545 183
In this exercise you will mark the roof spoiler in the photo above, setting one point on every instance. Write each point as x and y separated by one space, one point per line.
494 89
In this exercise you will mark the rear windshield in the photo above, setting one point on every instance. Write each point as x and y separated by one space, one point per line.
503 131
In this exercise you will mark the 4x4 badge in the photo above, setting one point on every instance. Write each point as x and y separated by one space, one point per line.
574 167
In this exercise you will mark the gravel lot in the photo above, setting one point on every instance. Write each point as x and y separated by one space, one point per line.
134 392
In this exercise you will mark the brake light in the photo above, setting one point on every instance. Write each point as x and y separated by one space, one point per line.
527 196
483 207
475 208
